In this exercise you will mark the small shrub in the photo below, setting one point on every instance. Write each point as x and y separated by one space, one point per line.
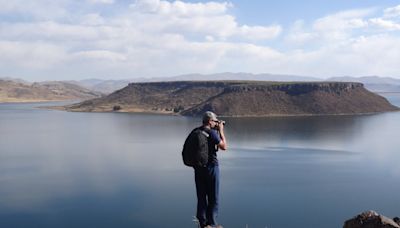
116 108
178 109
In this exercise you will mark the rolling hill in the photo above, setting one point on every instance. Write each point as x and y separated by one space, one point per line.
15 91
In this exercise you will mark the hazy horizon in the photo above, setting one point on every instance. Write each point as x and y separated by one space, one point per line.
199 74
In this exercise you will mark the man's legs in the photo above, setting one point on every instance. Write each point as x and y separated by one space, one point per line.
200 176
212 193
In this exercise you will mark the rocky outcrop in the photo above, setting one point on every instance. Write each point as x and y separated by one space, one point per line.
241 98
371 219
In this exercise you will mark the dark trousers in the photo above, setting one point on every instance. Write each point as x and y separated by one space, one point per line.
207 187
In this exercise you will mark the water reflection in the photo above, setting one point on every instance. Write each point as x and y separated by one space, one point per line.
61 169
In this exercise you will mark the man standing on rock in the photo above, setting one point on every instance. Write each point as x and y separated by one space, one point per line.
207 177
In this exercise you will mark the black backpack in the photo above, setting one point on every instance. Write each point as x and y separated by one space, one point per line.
195 149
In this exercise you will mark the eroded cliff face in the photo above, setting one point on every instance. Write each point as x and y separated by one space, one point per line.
294 88
241 98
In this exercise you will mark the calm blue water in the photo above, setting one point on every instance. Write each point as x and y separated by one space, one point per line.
62 169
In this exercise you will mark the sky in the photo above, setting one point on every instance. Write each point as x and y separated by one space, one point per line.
127 39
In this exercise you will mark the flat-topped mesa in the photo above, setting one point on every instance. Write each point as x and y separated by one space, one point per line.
241 98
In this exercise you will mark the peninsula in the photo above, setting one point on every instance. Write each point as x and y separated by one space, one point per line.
240 99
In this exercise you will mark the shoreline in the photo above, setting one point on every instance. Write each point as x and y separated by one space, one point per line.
21 101
62 108
28 101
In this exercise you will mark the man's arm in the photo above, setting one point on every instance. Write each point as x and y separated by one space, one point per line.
222 144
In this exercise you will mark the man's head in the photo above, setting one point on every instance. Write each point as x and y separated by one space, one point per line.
210 119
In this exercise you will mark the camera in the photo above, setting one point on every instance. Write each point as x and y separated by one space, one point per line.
219 122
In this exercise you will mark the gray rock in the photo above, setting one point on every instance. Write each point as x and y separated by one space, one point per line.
396 220
370 219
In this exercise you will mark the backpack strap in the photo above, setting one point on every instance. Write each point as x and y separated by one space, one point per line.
205 131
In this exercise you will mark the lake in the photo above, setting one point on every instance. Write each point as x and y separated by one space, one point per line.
65 169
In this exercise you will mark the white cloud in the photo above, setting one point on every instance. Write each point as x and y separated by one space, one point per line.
101 55
343 20
328 31
207 19
179 8
36 55
339 26
209 38
392 12
93 19
152 33
384 24
298 35
372 55
344 43
259 32
159 38
101 1
49 30
389 20
38 9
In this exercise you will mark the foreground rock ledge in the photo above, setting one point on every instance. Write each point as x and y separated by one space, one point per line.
240 99
371 219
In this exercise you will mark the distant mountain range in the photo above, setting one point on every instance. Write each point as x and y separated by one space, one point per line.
231 76
368 80
21 91
373 83
108 86
102 86
239 98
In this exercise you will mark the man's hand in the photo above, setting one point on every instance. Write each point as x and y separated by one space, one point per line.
220 125
222 145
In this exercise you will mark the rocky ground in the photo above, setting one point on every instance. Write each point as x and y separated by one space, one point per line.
371 219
